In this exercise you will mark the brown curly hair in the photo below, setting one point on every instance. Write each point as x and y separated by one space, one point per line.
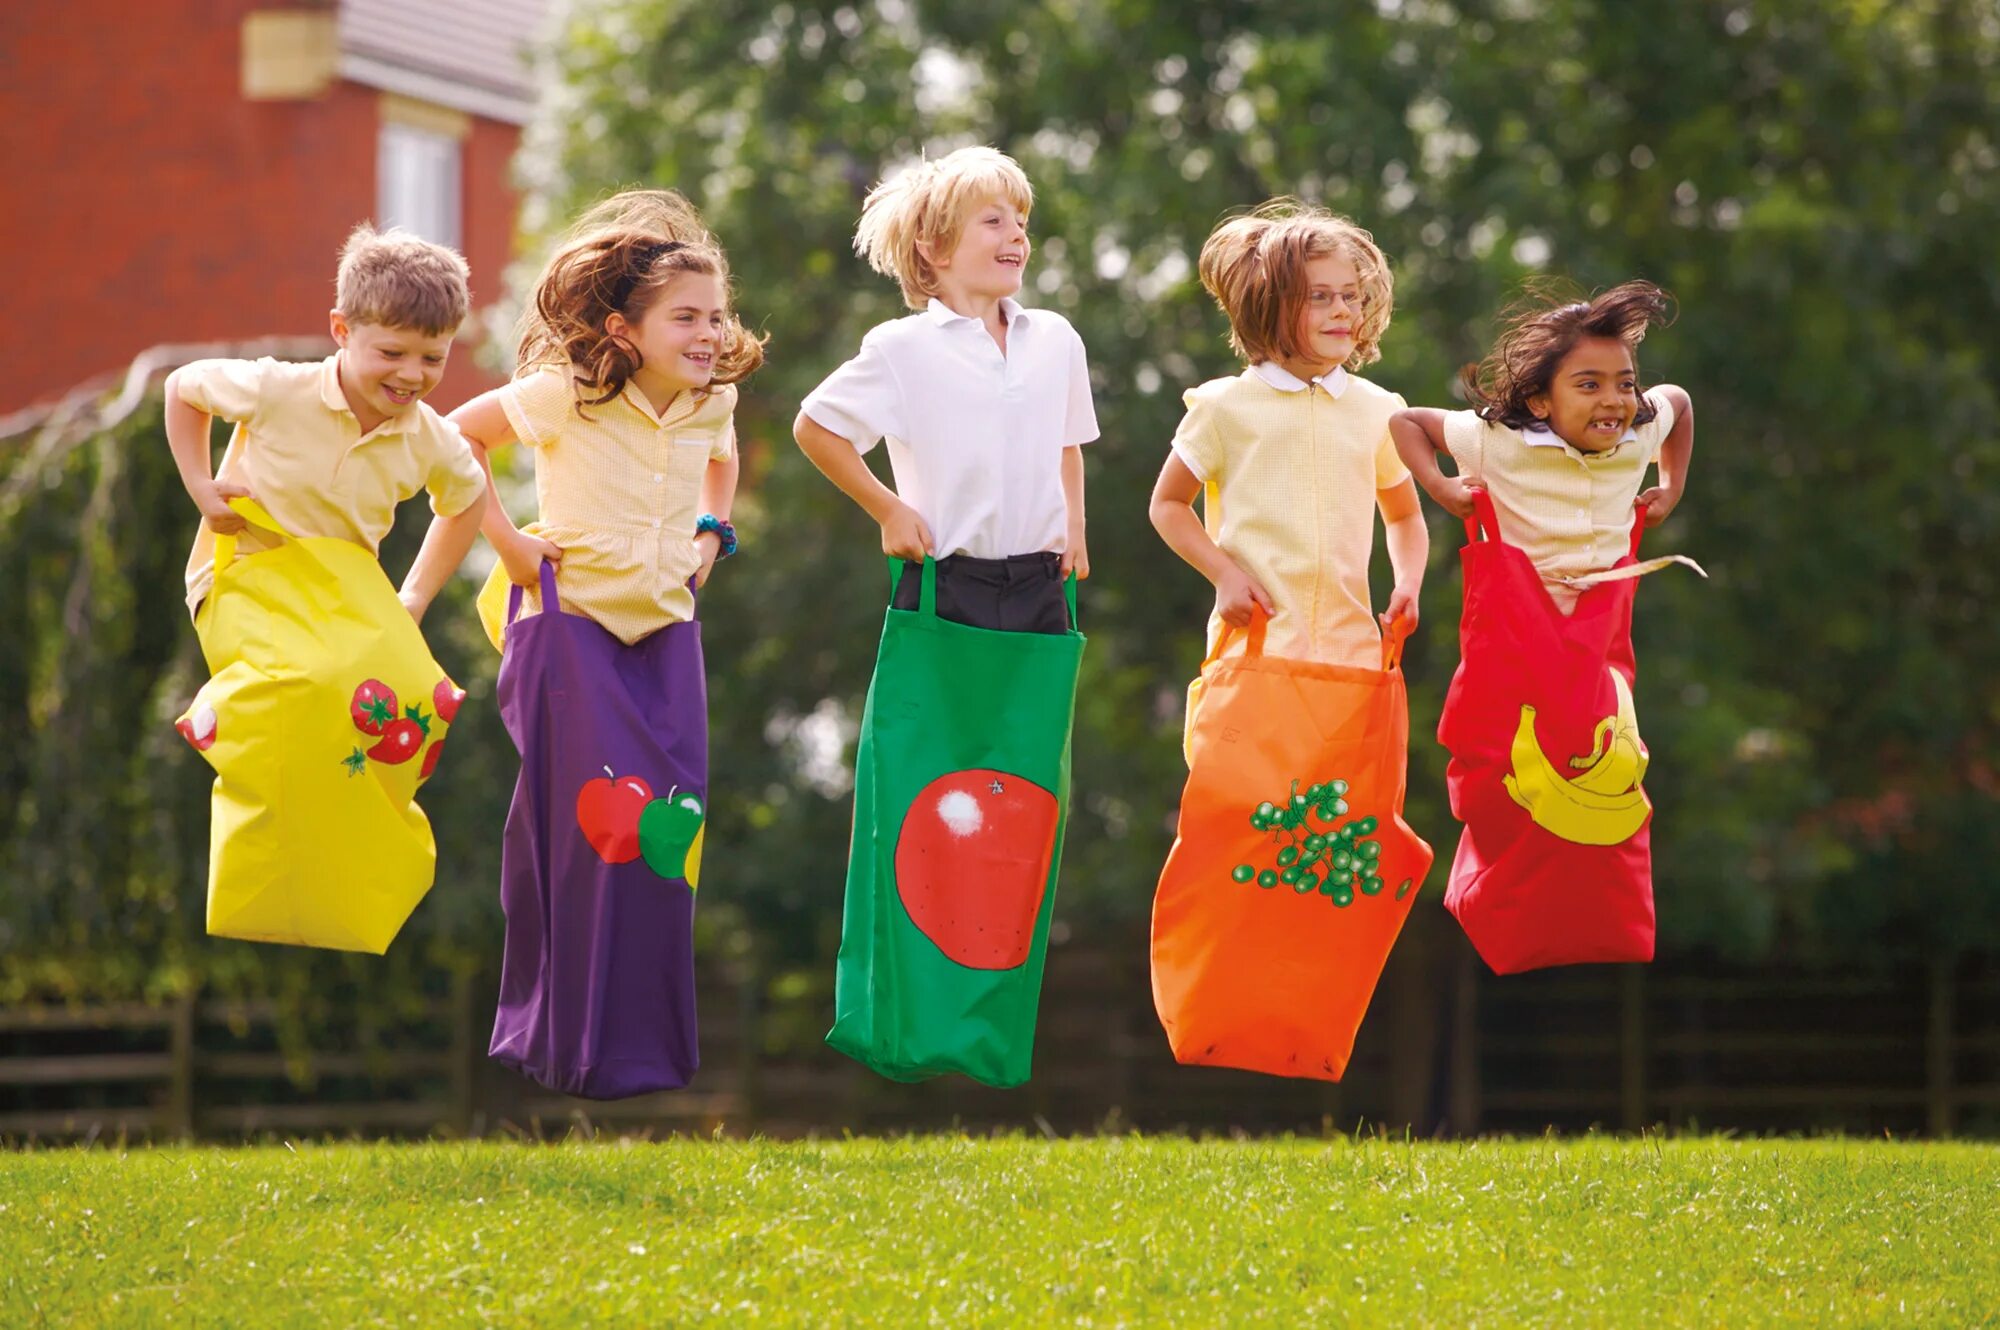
1255 267
664 212
617 260
1541 327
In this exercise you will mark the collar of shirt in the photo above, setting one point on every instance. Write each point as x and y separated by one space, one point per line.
334 397
1539 435
685 403
944 315
1271 372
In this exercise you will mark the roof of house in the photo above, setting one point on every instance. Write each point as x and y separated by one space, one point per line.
472 55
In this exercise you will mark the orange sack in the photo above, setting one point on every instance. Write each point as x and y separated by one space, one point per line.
1292 870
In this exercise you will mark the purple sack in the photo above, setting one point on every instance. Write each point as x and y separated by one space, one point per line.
602 853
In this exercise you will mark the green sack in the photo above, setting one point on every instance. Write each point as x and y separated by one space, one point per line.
961 793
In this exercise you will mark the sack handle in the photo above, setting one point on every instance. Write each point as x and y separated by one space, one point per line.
1253 647
550 603
1393 636
1639 527
1484 522
252 512
927 598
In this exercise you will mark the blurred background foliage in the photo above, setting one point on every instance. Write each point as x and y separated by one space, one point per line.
1814 179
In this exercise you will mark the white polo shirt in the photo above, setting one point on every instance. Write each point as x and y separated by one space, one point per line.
975 436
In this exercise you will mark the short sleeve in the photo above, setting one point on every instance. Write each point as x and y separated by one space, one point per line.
232 389
456 480
538 405
860 401
1654 432
1465 440
1080 420
724 446
1195 442
1389 469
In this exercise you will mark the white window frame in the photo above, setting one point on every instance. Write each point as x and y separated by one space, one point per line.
420 182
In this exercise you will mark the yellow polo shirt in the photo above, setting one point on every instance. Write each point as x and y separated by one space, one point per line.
1290 471
1568 510
619 488
301 453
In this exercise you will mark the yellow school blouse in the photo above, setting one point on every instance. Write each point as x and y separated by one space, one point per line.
620 488
1290 470
1568 510
300 451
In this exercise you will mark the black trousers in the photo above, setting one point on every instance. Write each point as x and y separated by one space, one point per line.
1022 594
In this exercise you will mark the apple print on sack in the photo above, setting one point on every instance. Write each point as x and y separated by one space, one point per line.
622 820
608 809
667 831
972 865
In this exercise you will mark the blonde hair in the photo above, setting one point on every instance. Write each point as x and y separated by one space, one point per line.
925 208
395 279
617 259
1255 267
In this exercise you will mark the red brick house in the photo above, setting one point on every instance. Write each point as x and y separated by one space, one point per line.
185 170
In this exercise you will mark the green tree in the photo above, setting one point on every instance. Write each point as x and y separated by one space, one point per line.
1815 181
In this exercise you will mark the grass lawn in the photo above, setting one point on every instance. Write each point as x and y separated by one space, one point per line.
1007 1232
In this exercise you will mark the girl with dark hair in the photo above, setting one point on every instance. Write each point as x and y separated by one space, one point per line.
1555 864
1559 435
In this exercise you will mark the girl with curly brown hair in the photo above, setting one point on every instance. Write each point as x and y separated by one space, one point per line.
629 354
629 358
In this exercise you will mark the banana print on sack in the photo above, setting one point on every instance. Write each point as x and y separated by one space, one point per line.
1602 806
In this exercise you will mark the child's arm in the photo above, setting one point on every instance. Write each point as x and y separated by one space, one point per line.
445 546
718 495
1676 452
1409 548
1419 435
904 535
1172 511
1076 556
484 423
187 437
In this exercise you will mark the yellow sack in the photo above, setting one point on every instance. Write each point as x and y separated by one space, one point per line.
324 713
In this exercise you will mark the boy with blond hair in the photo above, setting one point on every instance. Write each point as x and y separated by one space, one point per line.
330 449
951 877
985 404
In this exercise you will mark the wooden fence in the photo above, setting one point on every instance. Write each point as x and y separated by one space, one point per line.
1447 1049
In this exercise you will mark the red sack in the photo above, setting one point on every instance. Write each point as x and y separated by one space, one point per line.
1555 866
